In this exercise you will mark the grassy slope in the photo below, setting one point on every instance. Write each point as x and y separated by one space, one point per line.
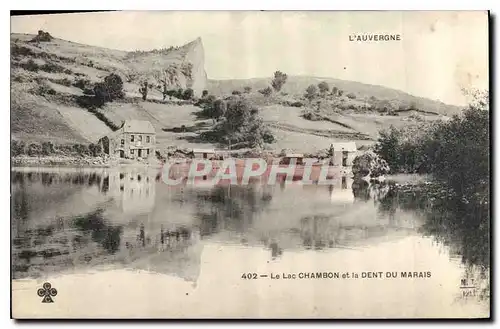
38 117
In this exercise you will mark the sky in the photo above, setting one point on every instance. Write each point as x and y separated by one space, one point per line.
439 52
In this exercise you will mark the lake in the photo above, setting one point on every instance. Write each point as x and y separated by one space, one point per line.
133 245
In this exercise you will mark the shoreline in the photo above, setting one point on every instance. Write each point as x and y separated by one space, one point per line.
60 161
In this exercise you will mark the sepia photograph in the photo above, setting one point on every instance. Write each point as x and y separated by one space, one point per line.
250 165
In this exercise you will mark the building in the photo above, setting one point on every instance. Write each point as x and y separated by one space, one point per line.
135 139
287 159
343 154
203 153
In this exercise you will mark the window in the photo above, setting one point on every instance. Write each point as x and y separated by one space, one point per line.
132 151
147 152
148 139
122 142
140 138
131 138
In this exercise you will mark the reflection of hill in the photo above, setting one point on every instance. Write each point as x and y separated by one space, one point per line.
78 232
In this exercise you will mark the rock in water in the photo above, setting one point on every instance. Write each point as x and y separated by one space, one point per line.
369 164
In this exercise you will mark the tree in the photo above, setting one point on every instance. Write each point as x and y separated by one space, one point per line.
323 87
279 80
242 126
340 92
388 147
218 109
204 93
311 92
144 91
335 91
266 91
165 91
247 89
236 92
108 90
114 86
351 96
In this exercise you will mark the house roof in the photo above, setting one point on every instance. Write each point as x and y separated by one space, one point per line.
347 146
138 126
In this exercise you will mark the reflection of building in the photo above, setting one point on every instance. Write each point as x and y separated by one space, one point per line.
318 232
341 191
133 140
134 189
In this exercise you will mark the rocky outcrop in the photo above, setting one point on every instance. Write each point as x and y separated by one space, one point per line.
176 67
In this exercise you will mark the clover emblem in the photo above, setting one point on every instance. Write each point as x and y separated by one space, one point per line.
47 292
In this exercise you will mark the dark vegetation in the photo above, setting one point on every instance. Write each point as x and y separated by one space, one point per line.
110 89
239 126
47 148
456 152
30 65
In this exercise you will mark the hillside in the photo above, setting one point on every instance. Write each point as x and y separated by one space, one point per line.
296 85
48 78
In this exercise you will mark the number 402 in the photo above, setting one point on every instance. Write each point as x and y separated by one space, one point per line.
249 276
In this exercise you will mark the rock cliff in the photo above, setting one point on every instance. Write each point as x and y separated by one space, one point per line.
177 67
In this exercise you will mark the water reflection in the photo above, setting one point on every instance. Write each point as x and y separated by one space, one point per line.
64 220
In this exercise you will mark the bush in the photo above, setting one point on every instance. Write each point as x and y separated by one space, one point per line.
30 65
95 149
82 83
188 94
311 92
17 148
266 91
204 93
54 68
44 89
323 87
47 148
65 82
351 96
236 92
34 149
247 89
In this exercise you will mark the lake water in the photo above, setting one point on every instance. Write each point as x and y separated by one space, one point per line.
121 243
